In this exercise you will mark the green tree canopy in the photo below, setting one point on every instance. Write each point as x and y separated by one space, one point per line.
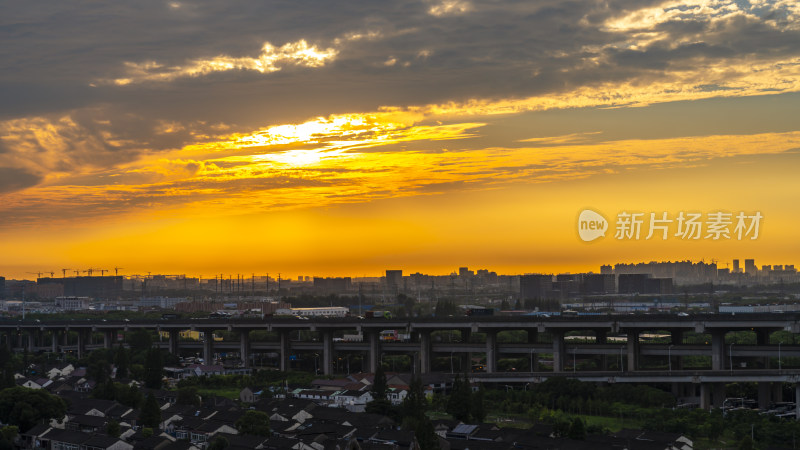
459 404
478 406
379 404
140 341
413 411
415 404
153 368
188 396
254 422
25 407
7 436
123 362
112 429
150 416
219 443
577 430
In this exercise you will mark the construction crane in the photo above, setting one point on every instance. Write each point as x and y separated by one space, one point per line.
64 273
116 271
89 271
102 271
38 274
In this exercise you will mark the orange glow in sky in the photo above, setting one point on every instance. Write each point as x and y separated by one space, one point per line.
347 151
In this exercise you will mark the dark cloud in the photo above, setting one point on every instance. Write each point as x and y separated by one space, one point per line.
493 50
12 179
77 44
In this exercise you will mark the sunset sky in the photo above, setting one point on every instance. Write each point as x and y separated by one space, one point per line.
345 138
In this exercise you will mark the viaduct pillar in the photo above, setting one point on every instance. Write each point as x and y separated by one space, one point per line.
633 350
558 351
717 350
491 351
244 347
174 342
283 352
374 351
424 352
208 346
327 352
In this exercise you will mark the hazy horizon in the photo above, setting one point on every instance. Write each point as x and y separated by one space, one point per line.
351 138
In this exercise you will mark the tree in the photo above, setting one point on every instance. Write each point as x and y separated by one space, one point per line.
379 404
426 436
188 396
505 305
254 422
219 443
478 407
140 341
414 406
746 444
150 416
154 363
379 386
577 430
25 407
112 429
7 436
105 390
129 395
123 362
459 402
7 380
5 355
99 367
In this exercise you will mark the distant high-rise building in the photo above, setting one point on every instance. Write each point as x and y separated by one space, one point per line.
736 266
603 283
2 287
606 269
750 267
332 285
633 283
535 286
394 279
464 272
92 286
658 286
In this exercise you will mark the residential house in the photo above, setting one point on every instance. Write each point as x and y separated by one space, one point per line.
250 394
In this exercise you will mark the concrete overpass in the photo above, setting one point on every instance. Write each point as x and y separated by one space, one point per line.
614 360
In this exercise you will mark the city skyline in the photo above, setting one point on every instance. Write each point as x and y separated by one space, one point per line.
426 135
746 266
